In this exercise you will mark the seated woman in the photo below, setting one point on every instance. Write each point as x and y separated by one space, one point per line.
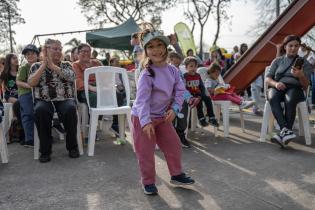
84 62
286 83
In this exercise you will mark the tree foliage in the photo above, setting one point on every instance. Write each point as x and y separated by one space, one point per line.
9 7
74 42
99 12
267 13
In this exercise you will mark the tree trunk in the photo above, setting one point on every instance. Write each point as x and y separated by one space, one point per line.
218 26
10 30
193 28
201 41
277 8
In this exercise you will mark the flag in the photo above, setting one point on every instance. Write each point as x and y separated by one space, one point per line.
185 38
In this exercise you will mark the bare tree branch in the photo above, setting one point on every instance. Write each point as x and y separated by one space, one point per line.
99 12
201 13
220 13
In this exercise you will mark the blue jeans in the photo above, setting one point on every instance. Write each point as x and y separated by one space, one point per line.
27 116
313 88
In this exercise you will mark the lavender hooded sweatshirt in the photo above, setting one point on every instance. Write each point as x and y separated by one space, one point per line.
156 94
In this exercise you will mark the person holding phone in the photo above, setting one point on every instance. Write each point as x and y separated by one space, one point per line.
53 83
287 77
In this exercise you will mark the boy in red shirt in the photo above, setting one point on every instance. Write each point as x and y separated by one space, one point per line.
196 88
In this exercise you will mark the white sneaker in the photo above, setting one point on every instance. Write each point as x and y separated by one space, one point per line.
287 135
246 104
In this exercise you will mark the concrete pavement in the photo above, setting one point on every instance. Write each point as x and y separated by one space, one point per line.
231 173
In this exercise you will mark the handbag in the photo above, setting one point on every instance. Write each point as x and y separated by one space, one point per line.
281 74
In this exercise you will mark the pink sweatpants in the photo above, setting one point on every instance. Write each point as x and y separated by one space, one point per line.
167 140
236 99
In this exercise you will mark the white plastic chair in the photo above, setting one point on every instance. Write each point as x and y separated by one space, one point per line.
191 116
268 118
223 106
106 100
4 128
83 114
83 111
7 118
3 143
219 106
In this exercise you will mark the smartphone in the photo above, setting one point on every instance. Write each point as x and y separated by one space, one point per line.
299 63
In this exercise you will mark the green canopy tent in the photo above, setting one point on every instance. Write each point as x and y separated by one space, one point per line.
113 38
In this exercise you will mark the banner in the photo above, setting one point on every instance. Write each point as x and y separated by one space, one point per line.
185 38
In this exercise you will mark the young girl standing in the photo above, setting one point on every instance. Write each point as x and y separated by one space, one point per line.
159 98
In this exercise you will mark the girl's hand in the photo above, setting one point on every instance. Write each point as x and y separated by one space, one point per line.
194 101
170 116
149 130
280 86
44 52
298 73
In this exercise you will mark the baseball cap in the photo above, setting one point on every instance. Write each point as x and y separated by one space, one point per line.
154 35
30 47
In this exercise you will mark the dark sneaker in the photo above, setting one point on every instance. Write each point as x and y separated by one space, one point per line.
74 153
150 189
287 135
28 144
44 158
203 122
181 180
277 139
213 122
185 142
258 112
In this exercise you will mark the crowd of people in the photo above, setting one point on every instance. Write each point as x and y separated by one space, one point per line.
168 81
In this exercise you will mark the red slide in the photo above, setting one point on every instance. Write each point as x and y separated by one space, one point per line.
297 19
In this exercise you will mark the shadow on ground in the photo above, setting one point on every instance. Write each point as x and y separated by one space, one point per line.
231 173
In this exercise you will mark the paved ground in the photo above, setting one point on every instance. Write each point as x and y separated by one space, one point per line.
232 173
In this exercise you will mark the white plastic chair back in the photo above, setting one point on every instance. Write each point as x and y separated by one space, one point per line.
221 79
265 83
3 144
106 85
203 71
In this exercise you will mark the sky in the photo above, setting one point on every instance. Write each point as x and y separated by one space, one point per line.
53 16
